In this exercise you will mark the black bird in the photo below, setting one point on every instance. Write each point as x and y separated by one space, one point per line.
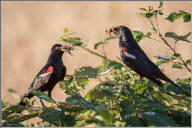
135 58
53 72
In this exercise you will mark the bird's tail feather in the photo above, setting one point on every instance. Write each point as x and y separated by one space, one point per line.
165 78
179 88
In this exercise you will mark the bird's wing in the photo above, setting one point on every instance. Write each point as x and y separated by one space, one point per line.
41 79
139 60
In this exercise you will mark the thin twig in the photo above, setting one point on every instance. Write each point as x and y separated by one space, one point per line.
90 51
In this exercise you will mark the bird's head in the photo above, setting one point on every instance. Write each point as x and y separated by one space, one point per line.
119 31
59 48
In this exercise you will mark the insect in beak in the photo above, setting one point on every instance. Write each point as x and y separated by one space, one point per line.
109 31
67 48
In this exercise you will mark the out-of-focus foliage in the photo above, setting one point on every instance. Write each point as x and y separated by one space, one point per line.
120 99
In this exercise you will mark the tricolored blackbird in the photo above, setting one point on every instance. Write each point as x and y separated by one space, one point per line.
53 72
135 58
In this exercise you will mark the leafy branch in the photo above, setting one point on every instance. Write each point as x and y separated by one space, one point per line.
156 29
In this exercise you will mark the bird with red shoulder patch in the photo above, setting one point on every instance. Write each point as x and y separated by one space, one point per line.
53 72
134 57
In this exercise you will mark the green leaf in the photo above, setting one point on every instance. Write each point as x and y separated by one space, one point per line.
26 100
160 4
141 14
12 124
143 9
80 101
6 114
88 72
95 94
127 108
33 102
160 12
149 15
161 62
158 119
108 117
104 41
174 16
115 65
52 115
183 119
43 96
152 105
108 91
70 90
83 74
188 62
177 65
68 80
162 97
176 37
69 86
139 35
4 104
74 41
82 81
140 87
186 16
133 121
16 108
100 107
177 55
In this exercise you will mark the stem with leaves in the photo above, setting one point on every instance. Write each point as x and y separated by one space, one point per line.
157 31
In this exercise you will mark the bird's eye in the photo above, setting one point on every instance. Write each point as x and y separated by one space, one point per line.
57 48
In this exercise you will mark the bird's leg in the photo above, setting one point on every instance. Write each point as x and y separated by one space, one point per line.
49 93
42 103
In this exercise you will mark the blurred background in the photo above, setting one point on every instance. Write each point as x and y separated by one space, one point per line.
29 29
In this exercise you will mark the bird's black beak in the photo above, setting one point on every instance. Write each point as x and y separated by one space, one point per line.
67 48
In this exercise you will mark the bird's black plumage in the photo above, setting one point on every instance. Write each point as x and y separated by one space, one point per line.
135 58
53 72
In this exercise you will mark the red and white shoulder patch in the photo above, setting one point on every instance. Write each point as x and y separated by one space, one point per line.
123 49
49 69
126 53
